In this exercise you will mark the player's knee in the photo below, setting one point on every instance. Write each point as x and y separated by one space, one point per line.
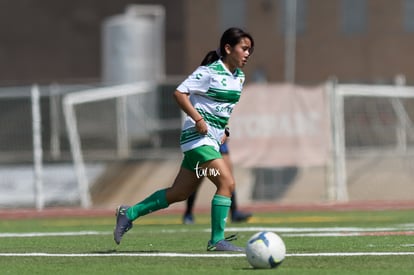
176 195
228 185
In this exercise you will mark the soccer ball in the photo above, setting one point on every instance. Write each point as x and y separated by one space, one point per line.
265 250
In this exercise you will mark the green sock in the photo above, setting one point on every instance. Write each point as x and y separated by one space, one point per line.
156 201
220 206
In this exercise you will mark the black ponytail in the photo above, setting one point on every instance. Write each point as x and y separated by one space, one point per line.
210 57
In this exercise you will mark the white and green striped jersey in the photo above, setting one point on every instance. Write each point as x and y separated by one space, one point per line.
214 91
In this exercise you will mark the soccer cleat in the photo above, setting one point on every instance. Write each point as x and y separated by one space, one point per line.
238 216
188 219
123 224
224 245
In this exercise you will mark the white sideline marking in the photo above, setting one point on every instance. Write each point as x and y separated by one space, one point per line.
347 254
51 234
188 255
285 231
319 229
209 255
349 234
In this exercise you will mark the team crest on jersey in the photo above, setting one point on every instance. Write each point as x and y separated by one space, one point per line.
198 76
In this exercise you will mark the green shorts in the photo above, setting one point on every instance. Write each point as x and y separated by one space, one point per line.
198 156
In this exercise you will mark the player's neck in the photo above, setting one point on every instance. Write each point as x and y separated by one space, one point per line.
229 66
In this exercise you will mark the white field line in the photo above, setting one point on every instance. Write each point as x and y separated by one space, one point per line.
84 233
185 255
51 234
208 255
348 234
284 231
337 231
320 229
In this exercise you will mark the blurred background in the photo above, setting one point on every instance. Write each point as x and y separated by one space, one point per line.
87 117
367 41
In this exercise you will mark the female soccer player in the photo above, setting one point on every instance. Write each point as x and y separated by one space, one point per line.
208 97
